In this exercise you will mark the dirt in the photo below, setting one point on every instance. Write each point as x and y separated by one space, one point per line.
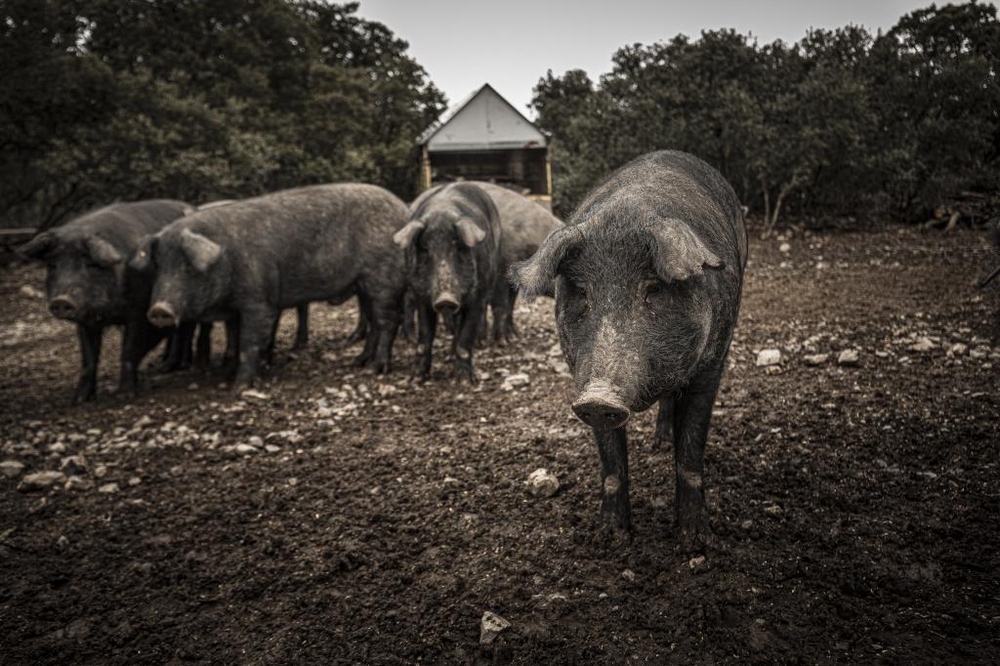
376 521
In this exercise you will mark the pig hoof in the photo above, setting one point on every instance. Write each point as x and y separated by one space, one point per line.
697 538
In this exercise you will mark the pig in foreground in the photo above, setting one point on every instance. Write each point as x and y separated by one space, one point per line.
648 278
246 261
89 282
523 226
452 245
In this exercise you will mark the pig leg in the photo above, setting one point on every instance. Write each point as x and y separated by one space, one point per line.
203 355
482 330
409 313
302 332
367 355
231 357
693 411
185 336
664 423
503 313
386 323
613 448
255 328
268 355
464 342
427 324
138 339
90 354
177 355
509 330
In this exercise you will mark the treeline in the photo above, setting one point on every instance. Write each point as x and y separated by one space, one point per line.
104 100
842 123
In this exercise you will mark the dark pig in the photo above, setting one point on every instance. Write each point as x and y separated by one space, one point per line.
205 331
89 282
246 261
524 225
452 245
648 277
996 271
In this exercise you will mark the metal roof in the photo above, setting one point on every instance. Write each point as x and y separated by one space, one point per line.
482 121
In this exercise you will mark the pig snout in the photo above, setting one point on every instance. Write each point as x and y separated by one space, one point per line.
600 407
446 304
63 307
162 315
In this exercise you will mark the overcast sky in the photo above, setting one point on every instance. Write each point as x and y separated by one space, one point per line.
510 44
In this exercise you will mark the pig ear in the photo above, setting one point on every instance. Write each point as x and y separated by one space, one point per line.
143 257
201 251
103 252
469 232
405 236
39 246
534 276
679 253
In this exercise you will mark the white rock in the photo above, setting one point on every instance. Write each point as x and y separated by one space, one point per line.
108 488
490 627
848 357
559 366
542 483
768 357
785 248
696 562
143 422
74 466
100 471
40 480
255 394
922 345
816 359
11 468
517 380
245 448
30 291
78 483
958 349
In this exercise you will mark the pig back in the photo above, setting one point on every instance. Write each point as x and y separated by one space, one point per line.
125 224
524 224
316 242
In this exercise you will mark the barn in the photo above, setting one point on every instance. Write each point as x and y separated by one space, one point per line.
486 138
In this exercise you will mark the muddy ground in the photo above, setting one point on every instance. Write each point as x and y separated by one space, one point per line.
337 518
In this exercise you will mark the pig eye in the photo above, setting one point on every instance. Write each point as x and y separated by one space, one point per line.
653 289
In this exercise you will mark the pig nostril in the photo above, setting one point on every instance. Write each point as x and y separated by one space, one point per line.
62 307
601 415
161 316
446 305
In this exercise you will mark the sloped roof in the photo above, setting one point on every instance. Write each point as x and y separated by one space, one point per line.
482 121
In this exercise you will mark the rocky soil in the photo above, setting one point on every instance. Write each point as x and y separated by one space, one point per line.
329 516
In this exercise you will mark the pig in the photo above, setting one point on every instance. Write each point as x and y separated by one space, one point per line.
996 271
648 276
452 246
524 224
205 330
89 282
246 261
